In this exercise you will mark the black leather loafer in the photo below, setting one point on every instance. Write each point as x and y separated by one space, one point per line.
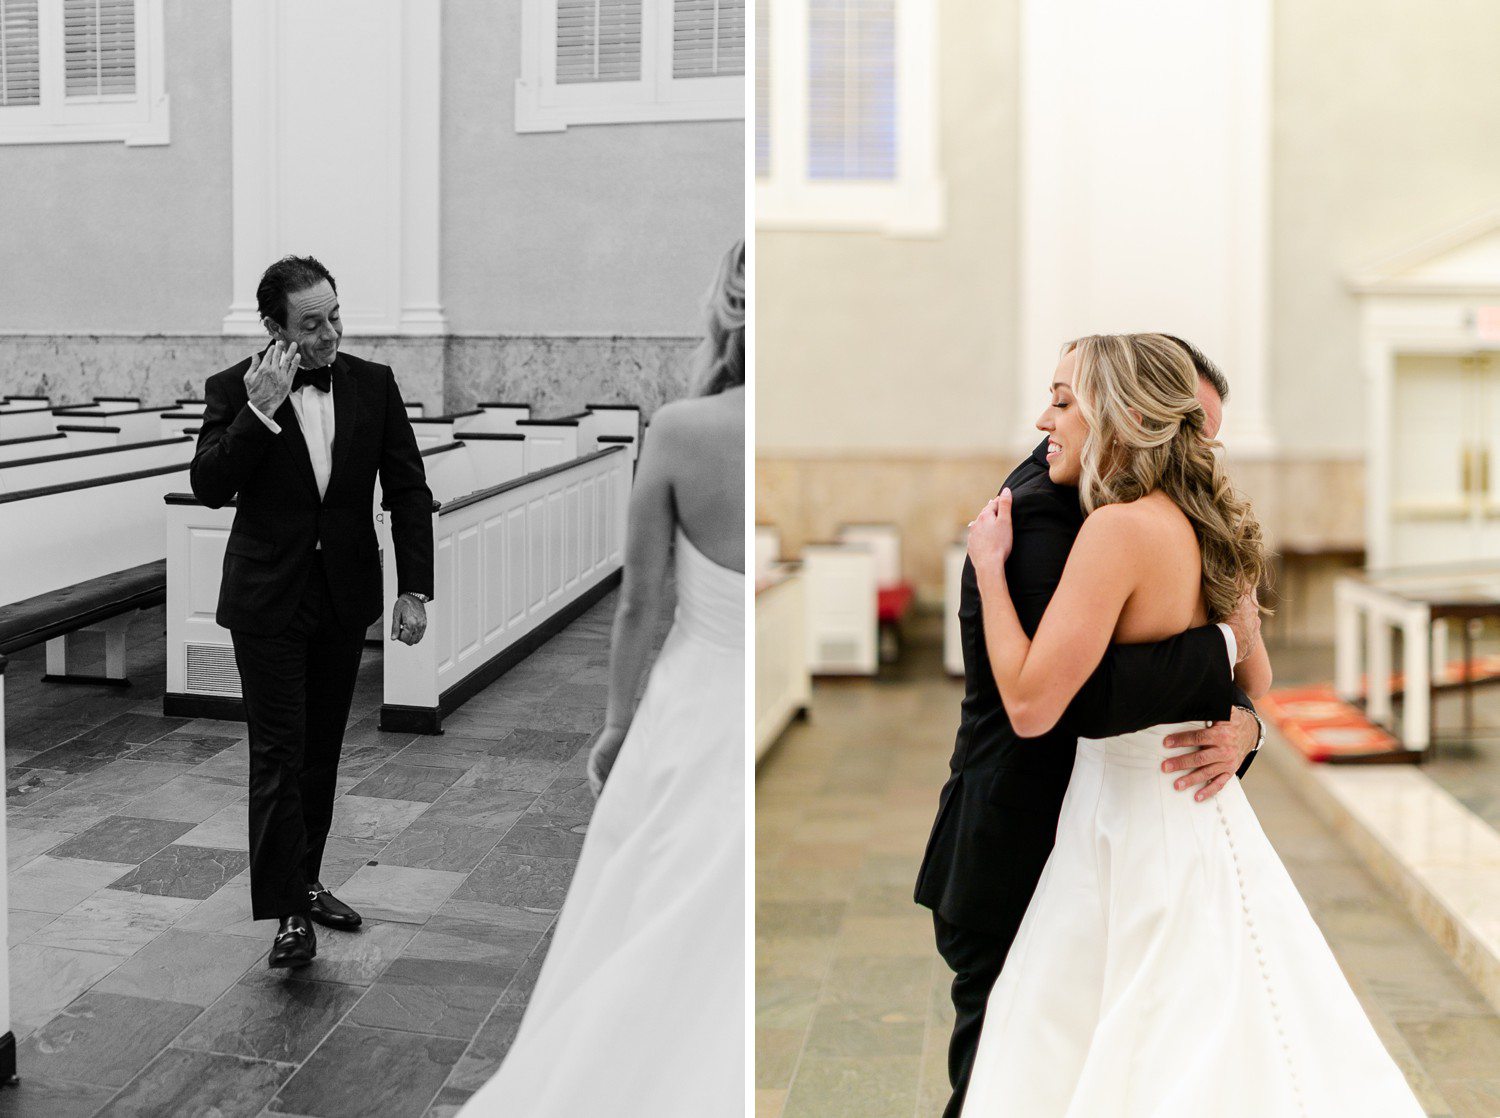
295 943
331 912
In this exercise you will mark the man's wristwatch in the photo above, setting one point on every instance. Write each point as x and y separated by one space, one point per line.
424 599
1261 737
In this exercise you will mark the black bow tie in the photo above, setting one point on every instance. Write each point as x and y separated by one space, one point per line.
321 379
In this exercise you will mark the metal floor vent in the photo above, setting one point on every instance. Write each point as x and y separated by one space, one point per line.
211 668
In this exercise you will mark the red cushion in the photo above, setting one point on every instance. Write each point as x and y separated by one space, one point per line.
892 602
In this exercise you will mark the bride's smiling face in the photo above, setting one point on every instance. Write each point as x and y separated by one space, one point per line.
1064 424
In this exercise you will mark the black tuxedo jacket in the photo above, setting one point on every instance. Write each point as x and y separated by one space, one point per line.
280 520
997 814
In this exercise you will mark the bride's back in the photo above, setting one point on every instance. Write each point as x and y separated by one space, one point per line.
1168 594
706 469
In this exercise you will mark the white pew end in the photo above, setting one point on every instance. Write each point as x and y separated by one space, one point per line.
549 442
783 684
842 627
498 418
514 564
767 551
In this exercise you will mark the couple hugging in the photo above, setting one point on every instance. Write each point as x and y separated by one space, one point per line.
1124 939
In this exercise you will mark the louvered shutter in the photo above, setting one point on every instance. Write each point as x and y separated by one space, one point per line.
598 41
708 38
762 88
851 102
99 47
20 60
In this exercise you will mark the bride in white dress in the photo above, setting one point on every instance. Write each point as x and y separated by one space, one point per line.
639 1008
1166 966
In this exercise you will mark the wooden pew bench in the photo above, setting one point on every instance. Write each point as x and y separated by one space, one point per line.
135 424
80 465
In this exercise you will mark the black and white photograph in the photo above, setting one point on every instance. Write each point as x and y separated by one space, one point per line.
372 548
1127 559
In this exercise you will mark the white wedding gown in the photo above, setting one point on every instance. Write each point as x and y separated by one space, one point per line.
639 1011
1168 968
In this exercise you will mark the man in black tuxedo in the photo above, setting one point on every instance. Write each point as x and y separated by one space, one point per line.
298 450
998 812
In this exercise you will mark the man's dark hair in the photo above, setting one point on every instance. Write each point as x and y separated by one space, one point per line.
1206 368
287 276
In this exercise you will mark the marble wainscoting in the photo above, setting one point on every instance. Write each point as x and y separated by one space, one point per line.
560 375
1303 499
556 375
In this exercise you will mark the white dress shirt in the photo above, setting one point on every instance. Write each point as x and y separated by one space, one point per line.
314 411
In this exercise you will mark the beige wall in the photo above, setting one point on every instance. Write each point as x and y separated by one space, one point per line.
1384 120
881 344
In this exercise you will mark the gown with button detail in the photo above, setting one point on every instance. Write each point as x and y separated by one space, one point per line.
639 1010
1168 968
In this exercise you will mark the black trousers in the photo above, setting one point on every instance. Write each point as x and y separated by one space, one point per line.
975 958
298 686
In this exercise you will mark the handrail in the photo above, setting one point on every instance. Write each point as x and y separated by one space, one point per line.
90 483
525 479
93 451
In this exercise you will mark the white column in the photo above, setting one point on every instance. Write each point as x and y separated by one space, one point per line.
1146 212
1416 629
1346 640
1378 680
336 126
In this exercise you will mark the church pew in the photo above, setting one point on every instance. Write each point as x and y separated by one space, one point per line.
136 425
783 684
82 437
767 551
415 411
202 681
619 419
895 593
498 418
177 422
598 429
436 430
83 554
19 422
26 403
30 446
78 465
841 596
7 1036
115 403
549 442
514 564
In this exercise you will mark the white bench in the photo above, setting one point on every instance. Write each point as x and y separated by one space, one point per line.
135 424
438 430
32 446
202 680
19 422
842 596
79 465
498 418
26 403
514 564
549 442
605 425
767 551
783 685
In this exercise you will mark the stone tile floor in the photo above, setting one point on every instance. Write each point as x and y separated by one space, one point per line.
852 1014
139 984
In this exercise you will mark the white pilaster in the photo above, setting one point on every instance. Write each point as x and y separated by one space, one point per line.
336 126
1145 152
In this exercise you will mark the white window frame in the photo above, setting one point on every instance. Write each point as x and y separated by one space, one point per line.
542 105
141 119
911 205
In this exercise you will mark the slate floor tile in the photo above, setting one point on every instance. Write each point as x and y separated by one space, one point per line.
399 893
190 799
282 1022
184 747
121 838
113 923
136 729
470 931
520 989
397 781
492 804
103 1038
374 817
436 845
519 881
23 844
184 871
487 1049
228 828
449 750
48 884
444 998
34 1097
45 979
227 911
182 1082
188 966
25 785
22 925
68 810
361 1072
343 856
124 777
355 958
80 756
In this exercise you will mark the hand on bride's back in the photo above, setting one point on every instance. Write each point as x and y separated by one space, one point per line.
990 533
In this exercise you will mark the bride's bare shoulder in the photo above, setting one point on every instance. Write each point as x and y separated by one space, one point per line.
1133 527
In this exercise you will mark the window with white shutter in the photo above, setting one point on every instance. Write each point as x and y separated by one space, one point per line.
99 48
82 71
846 125
20 68
630 61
